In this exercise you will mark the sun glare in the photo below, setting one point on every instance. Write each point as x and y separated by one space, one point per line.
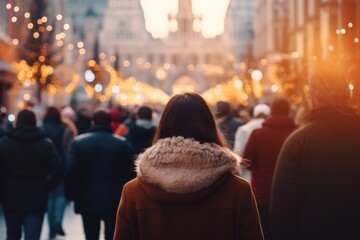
212 11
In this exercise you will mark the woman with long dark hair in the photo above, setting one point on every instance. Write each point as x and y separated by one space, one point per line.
186 185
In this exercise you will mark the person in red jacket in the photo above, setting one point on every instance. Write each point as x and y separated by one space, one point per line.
262 150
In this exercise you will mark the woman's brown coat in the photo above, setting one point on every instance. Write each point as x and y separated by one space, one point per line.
186 190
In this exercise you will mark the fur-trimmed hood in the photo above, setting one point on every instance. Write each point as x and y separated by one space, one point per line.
180 165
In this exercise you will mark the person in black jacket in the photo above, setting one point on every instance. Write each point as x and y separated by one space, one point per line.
61 136
141 133
316 184
29 168
99 164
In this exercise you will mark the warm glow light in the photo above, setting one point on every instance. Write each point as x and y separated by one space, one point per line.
256 75
82 51
44 19
126 63
294 55
356 40
41 58
8 6
49 28
60 43
274 88
30 26
102 56
112 58
238 84
156 15
351 87
66 26
80 44
14 19
350 25
16 9
15 41
343 31
59 17
71 46
331 48
36 35
26 97
27 15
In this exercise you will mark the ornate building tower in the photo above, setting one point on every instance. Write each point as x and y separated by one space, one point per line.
124 35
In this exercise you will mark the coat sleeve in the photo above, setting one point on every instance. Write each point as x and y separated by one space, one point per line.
122 227
286 194
250 227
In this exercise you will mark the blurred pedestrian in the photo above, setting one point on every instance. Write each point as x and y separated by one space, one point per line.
141 133
68 117
260 113
262 150
99 164
316 183
228 123
61 136
29 168
185 186
83 121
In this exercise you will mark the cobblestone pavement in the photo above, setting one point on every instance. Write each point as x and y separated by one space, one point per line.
72 226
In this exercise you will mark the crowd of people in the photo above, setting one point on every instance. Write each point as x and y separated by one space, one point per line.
198 172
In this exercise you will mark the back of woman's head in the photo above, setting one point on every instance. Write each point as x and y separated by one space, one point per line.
26 118
187 115
52 115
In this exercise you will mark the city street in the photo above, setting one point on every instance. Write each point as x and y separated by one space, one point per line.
72 226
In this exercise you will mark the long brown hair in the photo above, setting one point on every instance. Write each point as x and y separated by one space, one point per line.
187 115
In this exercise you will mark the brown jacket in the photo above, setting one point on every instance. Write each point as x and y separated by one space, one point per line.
186 190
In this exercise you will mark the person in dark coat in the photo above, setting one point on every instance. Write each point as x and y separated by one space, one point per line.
185 186
228 123
262 150
29 168
61 136
141 133
99 164
316 184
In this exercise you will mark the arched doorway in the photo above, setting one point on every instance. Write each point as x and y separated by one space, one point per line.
185 83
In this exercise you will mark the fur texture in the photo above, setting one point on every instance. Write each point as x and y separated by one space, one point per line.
180 165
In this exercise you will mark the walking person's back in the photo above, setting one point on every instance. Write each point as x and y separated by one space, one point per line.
29 169
141 133
61 136
315 190
185 186
262 150
100 163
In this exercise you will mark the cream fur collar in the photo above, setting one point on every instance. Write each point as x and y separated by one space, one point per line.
180 165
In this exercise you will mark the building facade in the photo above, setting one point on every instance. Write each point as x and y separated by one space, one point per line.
183 61
292 35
